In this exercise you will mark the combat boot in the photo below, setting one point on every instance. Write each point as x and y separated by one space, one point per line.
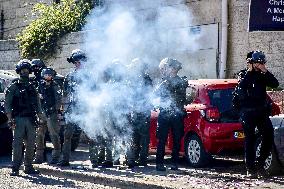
55 157
116 162
31 171
174 167
160 167
251 173
94 164
39 158
63 163
53 161
107 164
15 172
143 163
262 173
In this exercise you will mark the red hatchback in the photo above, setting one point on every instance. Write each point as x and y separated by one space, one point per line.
211 126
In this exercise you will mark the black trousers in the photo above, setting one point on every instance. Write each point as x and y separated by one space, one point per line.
140 140
167 121
252 119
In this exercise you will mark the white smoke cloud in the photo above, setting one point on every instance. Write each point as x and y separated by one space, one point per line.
124 30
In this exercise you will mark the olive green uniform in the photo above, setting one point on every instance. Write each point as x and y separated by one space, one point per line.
21 100
51 101
69 100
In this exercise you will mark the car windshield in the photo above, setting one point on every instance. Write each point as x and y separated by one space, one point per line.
222 99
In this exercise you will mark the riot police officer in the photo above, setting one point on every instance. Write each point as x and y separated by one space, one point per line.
172 95
251 99
22 105
141 85
50 95
101 148
70 97
37 65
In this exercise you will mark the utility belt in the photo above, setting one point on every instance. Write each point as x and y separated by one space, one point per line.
24 114
258 108
50 111
171 111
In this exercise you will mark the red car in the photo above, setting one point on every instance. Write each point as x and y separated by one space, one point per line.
211 126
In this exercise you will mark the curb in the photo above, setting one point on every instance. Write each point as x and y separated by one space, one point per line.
99 178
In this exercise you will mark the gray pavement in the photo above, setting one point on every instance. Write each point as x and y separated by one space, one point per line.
224 173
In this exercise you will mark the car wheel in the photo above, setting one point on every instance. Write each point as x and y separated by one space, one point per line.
272 164
195 153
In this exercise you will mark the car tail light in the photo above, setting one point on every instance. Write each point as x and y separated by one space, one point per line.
275 109
212 114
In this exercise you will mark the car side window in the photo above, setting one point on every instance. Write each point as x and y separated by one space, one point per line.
190 94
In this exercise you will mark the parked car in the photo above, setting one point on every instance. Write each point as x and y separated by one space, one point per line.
6 134
211 126
6 77
275 161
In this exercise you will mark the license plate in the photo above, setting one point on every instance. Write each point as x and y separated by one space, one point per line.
239 134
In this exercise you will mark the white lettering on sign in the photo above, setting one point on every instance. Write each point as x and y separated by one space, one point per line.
276 2
277 19
278 11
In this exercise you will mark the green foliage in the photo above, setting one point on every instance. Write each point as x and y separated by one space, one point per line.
274 89
53 21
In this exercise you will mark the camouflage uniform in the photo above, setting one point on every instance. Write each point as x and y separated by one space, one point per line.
51 102
21 100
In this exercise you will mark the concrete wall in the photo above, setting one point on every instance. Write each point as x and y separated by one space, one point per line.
203 11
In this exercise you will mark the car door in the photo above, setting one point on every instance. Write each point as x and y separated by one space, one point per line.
278 125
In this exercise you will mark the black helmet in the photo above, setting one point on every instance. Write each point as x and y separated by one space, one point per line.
170 62
37 64
258 57
249 56
23 64
48 71
77 55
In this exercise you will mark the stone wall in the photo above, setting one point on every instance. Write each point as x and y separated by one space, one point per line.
65 46
240 42
9 54
17 15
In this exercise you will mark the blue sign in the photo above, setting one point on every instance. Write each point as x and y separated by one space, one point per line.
266 15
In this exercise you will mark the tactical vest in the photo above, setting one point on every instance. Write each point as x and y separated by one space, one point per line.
177 89
49 100
25 99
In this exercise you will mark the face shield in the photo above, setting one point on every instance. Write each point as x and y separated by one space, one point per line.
24 72
48 77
